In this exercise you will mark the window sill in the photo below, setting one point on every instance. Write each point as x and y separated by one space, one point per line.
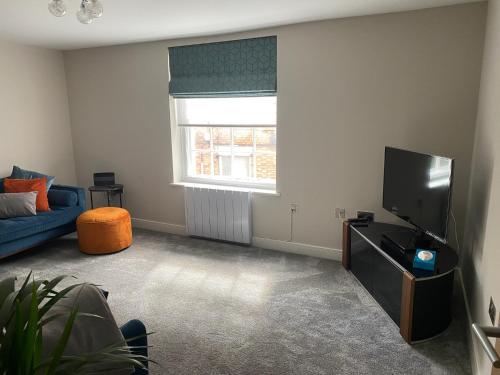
229 188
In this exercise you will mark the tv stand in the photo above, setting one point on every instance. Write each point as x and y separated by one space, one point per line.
418 301
408 239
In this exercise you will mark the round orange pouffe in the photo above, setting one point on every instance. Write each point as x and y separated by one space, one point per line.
104 230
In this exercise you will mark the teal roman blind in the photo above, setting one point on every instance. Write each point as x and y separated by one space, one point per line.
244 67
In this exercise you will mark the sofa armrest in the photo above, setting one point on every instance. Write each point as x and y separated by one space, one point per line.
80 192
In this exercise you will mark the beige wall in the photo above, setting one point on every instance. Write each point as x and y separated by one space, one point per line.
481 258
34 114
347 88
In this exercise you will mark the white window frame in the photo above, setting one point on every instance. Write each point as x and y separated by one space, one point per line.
186 154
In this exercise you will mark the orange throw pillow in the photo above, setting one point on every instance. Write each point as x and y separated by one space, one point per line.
24 186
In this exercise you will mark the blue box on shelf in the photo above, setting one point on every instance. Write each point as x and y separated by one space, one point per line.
425 259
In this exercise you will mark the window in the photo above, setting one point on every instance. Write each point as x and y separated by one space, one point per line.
225 106
229 141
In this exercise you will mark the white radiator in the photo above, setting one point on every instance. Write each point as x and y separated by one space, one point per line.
219 214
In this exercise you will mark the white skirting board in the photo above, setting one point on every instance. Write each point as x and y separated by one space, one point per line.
265 243
298 248
159 226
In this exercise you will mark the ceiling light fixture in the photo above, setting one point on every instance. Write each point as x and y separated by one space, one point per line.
89 10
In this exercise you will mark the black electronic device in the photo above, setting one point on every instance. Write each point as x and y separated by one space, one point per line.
358 220
104 179
417 189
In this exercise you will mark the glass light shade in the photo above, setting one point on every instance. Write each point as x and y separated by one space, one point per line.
57 8
94 7
84 16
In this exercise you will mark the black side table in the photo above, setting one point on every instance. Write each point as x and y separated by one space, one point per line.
109 190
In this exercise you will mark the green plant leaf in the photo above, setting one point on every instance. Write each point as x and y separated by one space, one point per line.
30 332
57 297
7 286
49 285
18 329
37 358
53 317
8 307
23 314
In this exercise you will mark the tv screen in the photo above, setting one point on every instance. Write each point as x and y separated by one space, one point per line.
417 188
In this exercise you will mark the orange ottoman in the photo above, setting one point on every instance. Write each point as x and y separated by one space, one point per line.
104 230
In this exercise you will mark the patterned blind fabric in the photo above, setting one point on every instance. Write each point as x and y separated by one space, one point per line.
236 68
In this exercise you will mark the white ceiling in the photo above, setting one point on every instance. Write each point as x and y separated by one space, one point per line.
125 21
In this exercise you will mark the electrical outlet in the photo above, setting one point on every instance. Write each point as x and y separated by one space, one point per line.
492 310
340 213
293 208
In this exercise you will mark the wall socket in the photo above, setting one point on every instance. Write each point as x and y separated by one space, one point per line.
492 310
293 208
340 213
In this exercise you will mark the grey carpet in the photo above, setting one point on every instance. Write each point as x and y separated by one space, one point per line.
225 309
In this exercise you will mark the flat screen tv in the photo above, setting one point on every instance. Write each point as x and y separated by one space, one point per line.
417 188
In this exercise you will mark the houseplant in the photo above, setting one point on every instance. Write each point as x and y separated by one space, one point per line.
23 314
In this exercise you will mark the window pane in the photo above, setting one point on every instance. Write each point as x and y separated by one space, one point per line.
201 163
227 111
240 155
222 136
243 141
222 165
265 167
265 140
242 167
200 138
222 151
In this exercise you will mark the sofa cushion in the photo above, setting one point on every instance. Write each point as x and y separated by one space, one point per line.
25 174
23 186
20 227
62 198
17 204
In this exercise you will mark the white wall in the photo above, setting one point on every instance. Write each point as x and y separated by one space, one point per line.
346 88
481 256
34 113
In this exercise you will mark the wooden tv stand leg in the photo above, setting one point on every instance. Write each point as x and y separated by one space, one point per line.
346 245
407 296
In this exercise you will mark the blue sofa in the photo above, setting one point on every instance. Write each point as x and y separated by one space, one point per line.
21 233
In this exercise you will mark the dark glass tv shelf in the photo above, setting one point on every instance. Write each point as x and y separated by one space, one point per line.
418 301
